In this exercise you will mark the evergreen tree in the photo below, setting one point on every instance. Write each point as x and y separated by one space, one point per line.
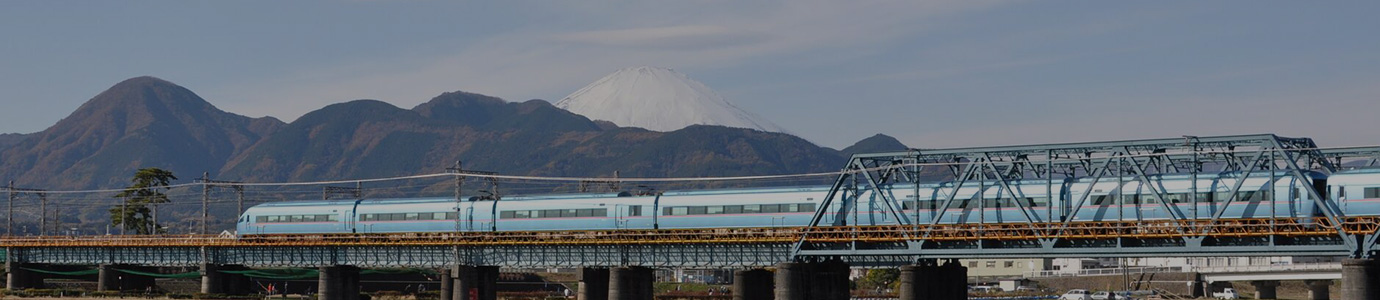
148 186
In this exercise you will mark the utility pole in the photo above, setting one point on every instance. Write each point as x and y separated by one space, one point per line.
9 217
42 215
205 199
460 175
124 217
43 204
206 185
459 187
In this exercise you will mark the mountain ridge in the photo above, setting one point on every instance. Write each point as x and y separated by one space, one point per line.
150 122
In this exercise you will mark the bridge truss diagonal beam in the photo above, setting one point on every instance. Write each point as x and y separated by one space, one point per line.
1144 162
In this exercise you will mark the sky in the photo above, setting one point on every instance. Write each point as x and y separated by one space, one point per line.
934 74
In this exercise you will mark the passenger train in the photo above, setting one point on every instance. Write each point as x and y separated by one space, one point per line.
1357 192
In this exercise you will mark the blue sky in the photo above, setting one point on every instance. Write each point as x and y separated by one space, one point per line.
933 74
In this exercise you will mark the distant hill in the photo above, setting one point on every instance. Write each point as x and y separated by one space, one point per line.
366 138
140 122
874 144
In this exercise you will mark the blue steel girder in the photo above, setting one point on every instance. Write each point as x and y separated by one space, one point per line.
1140 159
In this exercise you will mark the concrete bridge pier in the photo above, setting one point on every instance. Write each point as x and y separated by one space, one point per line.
754 284
1360 279
931 281
108 278
594 284
215 282
826 280
474 282
631 283
1265 289
337 283
447 285
1317 289
18 278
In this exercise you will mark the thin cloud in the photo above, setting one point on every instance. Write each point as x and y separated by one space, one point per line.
690 37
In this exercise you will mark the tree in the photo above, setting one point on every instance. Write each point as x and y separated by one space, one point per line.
879 279
148 186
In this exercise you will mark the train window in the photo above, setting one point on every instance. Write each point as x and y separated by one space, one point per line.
714 210
601 212
452 216
733 209
680 211
806 207
1371 192
697 210
520 214
1101 200
509 214
771 208
634 211
1176 198
260 219
1204 197
752 208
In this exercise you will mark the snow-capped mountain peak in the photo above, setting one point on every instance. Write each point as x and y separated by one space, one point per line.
658 99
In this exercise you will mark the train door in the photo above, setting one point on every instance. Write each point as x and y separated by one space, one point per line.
620 216
349 221
468 215
632 217
1320 186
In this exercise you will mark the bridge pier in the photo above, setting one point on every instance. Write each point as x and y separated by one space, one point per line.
474 283
108 278
754 284
1317 289
18 278
338 283
1360 279
931 281
215 282
1265 289
594 284
631 283
447 285
826 280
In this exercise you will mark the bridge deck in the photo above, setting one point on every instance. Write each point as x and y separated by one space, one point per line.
1226 228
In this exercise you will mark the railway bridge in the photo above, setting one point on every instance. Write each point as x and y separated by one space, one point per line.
811 262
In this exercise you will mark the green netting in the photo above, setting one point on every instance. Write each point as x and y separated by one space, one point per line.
193 274
276 273
398 271
70 273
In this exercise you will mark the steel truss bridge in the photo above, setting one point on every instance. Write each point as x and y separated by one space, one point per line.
915 238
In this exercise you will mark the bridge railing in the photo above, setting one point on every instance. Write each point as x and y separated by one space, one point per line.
1103 271
1271 268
